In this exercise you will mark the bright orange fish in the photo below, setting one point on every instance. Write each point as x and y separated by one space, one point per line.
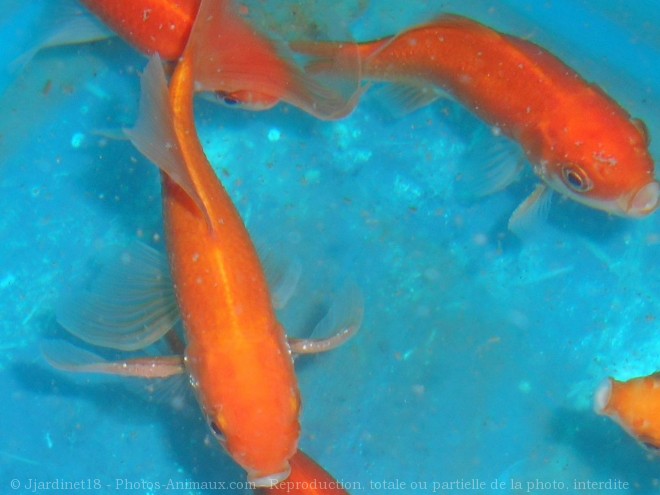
635 405
226 45
580 142
307 478
237 353
159 27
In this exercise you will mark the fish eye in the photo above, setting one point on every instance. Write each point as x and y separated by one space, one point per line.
217 431
576 179
227 98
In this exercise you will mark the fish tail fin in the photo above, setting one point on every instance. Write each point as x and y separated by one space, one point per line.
326 57
58 24
232 59
154 134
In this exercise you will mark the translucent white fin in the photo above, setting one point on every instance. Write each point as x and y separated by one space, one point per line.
341 322
67 357
282 275
154 135
128 307
491 163
322 55
402 99
531 212
61 23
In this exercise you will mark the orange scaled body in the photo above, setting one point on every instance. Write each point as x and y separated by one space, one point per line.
635 405
237 352
580 141
152 26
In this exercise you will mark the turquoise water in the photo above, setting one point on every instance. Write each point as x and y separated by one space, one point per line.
479 353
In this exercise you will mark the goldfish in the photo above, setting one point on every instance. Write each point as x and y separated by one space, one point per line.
226 44
580 142
635 405
152 26
307 478
236 352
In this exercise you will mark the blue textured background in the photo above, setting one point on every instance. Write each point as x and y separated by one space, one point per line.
479 353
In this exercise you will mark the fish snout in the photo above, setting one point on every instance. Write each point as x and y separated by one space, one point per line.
602 397
644 201
269 481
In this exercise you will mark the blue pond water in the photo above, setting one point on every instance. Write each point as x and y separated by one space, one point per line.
479 353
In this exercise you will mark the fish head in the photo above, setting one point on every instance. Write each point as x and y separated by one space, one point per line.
603 166
263 469
252 409
634 406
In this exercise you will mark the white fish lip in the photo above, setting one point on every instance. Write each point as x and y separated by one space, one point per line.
271 480
602 397
644 201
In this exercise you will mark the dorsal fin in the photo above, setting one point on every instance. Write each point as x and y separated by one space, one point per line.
153 134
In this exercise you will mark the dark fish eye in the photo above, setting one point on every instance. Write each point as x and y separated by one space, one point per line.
217 431
576 179
227 98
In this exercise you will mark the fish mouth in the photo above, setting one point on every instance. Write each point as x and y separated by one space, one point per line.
642 202
270 480
603 396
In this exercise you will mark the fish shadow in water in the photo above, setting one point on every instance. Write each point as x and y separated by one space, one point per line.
605 447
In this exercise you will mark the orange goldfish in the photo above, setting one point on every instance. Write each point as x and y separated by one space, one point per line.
234 61
152 26
580 142
635 405
236 354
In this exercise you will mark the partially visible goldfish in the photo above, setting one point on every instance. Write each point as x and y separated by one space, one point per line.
152 26
234 61
635 405
580 142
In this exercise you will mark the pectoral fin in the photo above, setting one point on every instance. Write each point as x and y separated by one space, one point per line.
129 306
532 211
341 322
282 275
490 164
